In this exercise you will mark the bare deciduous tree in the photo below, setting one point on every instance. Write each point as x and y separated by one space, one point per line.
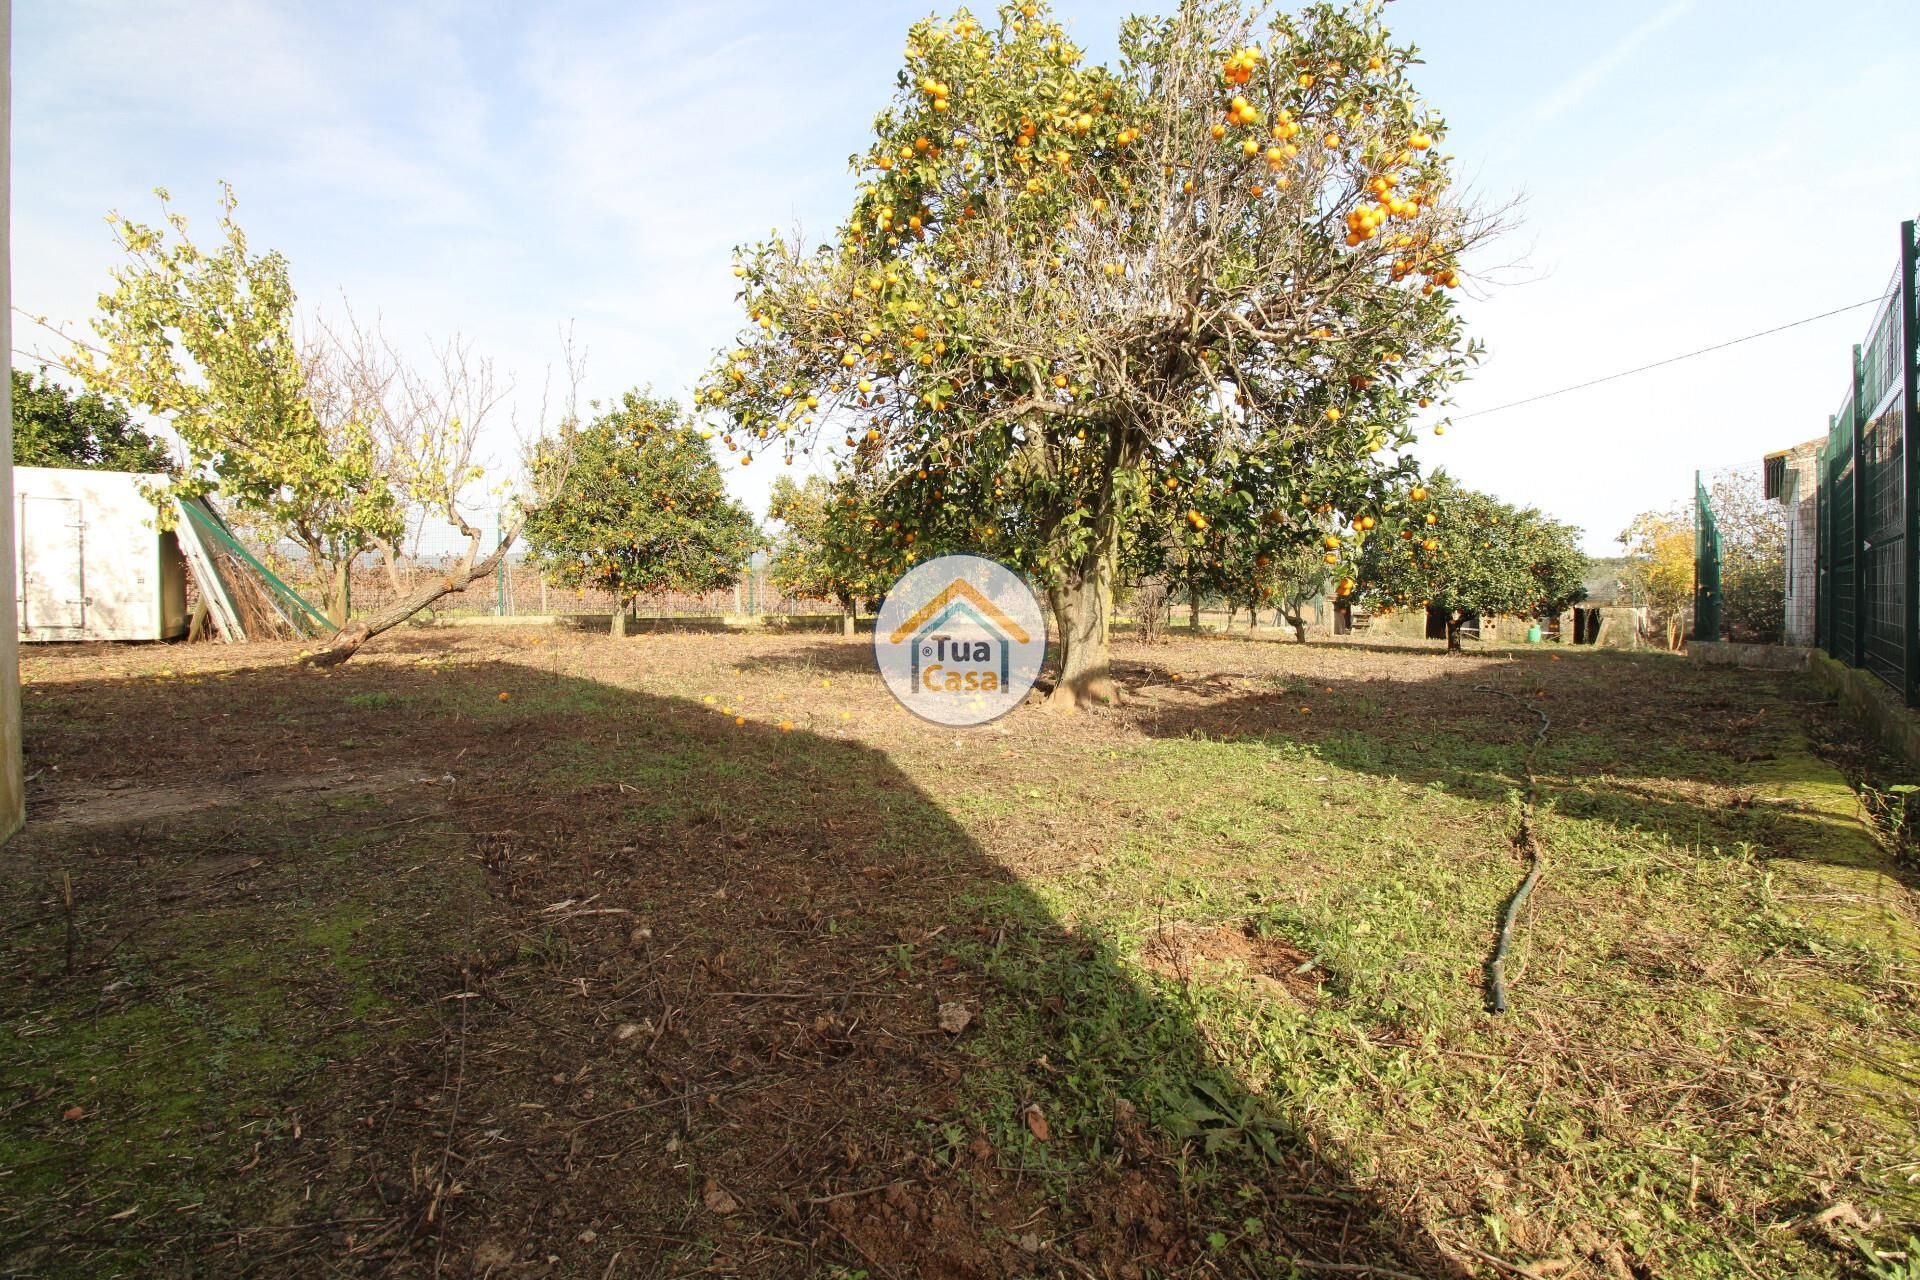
427 430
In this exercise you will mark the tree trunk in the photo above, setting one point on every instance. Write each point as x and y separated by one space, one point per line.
1295 615
846 623
617 628
1453 632
1193 610
391 559
337 602
1083 607
348 640
1253 618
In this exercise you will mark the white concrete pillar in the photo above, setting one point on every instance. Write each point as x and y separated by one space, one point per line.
13 787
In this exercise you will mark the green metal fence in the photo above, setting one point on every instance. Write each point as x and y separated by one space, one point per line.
1706 565
1867 601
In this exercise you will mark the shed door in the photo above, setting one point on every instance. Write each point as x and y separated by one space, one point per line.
53 588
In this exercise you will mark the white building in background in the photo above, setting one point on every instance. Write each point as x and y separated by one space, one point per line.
1793 480
93 563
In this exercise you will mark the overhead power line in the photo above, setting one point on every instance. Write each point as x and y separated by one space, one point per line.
1628 373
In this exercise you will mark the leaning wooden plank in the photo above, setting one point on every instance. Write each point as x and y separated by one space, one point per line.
206 572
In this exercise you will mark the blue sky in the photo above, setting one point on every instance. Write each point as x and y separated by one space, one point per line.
1689 170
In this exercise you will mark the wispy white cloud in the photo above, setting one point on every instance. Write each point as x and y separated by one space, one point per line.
1587 80
500 169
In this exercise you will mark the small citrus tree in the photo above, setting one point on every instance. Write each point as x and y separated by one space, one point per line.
830 546
1300 577
1289 556
1464 552
1065 287
642 511
202 339
801 565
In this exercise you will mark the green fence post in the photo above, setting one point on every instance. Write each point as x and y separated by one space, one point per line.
1910 478
1699 552
1859 656
1706 566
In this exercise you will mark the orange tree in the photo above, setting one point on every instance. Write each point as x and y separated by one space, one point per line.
643 510
1284 579
1287 556
1466 552
831 545
1300 577
1065 287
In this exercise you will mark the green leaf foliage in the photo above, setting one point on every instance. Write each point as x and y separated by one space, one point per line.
642 510
57 427
1071 296
1456 548
202 338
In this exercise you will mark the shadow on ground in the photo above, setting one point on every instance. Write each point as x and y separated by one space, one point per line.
526 974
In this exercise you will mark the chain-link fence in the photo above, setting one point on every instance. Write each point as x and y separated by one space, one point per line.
1869 500
517 588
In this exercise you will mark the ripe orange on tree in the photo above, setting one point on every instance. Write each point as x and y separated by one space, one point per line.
977 434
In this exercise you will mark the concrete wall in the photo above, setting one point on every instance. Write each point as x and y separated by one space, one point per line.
1401 624
1867 700
1621 626
1762 657
13 787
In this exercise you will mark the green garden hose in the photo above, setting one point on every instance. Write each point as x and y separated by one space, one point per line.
1496 975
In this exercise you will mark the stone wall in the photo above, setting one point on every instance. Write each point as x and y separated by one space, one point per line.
1621 626
1760 657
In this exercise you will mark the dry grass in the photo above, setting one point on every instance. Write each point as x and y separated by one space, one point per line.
379 973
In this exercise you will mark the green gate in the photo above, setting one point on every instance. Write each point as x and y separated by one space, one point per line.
1706 565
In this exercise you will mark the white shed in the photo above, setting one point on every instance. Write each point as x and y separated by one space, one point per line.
93 563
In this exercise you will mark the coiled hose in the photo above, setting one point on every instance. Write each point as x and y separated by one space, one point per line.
1526 839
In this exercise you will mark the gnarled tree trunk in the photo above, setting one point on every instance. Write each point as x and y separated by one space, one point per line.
1454 620
1193 610
1083 608
1083 600
617 628
1295 616
347 641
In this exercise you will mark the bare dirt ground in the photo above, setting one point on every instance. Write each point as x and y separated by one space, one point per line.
526 952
